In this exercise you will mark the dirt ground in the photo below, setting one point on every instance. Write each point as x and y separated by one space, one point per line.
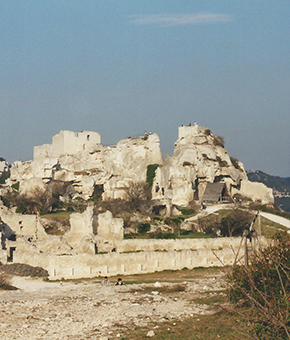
84 309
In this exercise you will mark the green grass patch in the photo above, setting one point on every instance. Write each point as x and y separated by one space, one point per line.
59 216
269 228
220 325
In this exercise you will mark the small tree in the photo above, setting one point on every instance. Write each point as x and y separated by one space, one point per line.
34 202
209 225
137 193
235 223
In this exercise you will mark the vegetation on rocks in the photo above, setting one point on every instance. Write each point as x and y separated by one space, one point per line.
150 175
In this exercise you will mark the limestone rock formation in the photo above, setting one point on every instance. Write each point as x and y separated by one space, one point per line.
200 158
79 158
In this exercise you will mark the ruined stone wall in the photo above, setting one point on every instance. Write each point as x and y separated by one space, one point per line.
213 252
86 265
187 131
25 225
177 244
69 142
256 191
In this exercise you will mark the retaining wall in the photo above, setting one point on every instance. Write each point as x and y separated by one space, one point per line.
88 265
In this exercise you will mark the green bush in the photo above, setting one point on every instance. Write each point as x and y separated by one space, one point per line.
175 221
15 186
165 236
187 211
151 170
186 163
157 218
4 176
143 228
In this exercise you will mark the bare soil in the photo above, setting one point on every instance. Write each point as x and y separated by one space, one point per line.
83 309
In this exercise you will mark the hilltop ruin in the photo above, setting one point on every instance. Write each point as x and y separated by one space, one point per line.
199 170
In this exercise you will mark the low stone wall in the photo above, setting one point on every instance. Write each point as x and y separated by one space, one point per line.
177 244
129 259
88 265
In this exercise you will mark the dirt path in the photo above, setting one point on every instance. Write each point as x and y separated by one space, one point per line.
278 219
50 310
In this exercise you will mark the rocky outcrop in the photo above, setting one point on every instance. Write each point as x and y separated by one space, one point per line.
255 191
86 163
79 158
199 158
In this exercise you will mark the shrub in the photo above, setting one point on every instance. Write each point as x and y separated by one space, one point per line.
235 163
137 193
187 211
150 175
143 228
15 186
174 221
265 287
221 162
165 236
157 218
207 132
219 141
209 225
186 163
4 176
235 223
8 199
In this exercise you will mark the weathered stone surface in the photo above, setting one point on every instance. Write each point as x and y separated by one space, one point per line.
198 159
71 157
4 166
256 191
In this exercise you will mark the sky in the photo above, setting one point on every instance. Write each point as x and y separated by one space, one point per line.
123 67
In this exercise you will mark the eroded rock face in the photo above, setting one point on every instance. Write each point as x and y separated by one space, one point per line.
256 192
79 158
198 158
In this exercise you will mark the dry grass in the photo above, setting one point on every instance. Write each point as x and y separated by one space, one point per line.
20 269
5 282
270 228
220 325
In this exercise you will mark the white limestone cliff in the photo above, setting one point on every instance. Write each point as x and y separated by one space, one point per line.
79 158
200 158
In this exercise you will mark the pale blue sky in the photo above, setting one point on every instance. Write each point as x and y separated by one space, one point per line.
123 67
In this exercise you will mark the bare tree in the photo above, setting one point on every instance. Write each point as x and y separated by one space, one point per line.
137 193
